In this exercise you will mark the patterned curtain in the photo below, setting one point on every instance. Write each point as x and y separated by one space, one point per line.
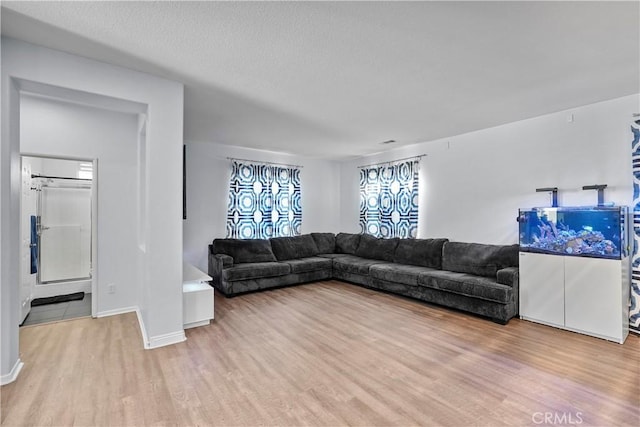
264 201
634 310
389 200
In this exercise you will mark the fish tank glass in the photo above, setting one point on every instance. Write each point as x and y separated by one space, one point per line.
594 231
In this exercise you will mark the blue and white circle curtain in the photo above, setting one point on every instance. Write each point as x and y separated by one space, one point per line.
634 310
389 200
264 201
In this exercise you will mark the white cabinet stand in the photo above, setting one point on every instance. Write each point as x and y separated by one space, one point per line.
585 295
197 297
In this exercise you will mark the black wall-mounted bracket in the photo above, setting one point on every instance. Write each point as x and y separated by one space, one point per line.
600 189
554 194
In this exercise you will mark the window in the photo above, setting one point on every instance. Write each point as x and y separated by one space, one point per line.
389 200
85 170
264 201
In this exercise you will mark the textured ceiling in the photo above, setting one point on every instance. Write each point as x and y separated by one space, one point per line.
334 79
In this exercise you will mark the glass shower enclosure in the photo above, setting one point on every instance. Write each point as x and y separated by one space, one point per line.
64 231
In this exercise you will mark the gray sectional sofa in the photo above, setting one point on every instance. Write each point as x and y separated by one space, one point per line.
477 278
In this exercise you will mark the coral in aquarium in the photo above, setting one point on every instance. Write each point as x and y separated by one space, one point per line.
572 242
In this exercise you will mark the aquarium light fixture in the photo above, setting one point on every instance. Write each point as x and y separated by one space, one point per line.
600 189
554 194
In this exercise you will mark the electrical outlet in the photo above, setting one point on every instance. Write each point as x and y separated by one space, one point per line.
111 288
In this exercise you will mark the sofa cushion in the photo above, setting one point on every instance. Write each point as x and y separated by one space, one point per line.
354 264
326 242
305 265
295 247
347 243
466 284
423 252
398 273
477 258
376 248
332 256
255 270
245 250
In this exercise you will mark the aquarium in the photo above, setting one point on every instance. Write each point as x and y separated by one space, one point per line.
594 231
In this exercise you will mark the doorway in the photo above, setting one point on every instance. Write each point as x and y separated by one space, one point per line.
57 230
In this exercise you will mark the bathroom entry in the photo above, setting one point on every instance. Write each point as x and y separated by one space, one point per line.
57 238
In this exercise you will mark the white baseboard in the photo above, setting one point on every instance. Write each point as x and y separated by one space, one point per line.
196 324
11 376
117 311
158 340
143 329
166 339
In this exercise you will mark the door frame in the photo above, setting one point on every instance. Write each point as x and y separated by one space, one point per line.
94 219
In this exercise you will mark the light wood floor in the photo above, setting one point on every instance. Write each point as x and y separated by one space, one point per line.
323 354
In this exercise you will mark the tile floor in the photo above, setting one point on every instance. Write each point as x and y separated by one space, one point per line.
60 311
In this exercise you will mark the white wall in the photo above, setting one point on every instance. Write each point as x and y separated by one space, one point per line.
473 184
51 127
25 67
208 171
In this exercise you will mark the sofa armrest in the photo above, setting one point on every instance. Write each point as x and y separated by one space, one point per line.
508 276
227 260
218 262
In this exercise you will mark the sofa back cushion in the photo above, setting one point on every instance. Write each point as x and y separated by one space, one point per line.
422 252
245 250
326 242
376 248
477 258
347 243
295 247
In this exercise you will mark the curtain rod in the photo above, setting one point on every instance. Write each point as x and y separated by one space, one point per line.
60 177
265 163
418 157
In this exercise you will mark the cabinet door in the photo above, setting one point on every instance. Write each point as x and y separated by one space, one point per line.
197 305
542 288
592 296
